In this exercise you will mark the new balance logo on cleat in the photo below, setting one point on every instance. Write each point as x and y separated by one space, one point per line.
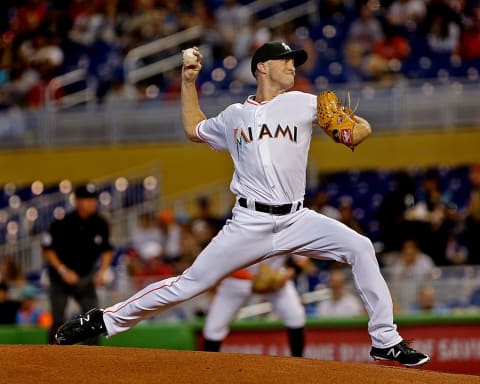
393 353
402 353
84 327
86 318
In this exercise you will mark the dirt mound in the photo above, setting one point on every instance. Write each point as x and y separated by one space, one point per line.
38 364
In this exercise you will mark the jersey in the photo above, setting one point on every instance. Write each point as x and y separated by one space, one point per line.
268 144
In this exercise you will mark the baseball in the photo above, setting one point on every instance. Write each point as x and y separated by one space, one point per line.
189 57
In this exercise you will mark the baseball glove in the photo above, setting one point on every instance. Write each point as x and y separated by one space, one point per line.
335 119
267 279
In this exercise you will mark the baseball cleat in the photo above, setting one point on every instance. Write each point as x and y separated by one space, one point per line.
402 353
86 326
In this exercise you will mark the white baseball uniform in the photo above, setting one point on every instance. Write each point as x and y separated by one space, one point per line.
268 143
232 293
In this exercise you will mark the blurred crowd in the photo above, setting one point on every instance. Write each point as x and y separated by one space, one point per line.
20 302
363 40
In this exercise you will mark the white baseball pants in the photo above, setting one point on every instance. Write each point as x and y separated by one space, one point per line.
252 236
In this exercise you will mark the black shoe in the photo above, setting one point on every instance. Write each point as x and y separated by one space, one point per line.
401 353
86 326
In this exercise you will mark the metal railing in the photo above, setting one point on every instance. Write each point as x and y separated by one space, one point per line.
134 72
85 95
389 110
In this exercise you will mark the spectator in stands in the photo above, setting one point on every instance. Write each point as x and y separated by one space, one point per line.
342 303
320 202
406 14
345 207
363 33
470 233
12 118
8 307
19 83
172 82
427 302
147 238
387 55
433 217
333 9
12 275
146 255
412 264
442 27
87 23
231 17
78 252
30 313
205 213
456 252
152 268
391 212
121 94
43 53
190 245
203 232
145 23
468 47
171 236
29 16
92 35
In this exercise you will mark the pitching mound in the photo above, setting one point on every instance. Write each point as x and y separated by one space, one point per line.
38 364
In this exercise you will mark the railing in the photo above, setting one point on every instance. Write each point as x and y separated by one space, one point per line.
84 95
135 72
452 105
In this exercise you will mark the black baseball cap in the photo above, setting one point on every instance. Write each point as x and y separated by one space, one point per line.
86 191
277 50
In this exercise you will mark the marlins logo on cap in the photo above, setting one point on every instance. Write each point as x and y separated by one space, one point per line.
277 50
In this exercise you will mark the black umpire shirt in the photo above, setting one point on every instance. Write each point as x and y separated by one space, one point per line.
77 242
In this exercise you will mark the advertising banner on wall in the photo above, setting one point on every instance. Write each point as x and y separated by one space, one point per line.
453 347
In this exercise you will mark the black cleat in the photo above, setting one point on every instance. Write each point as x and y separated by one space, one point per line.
401 353
88 325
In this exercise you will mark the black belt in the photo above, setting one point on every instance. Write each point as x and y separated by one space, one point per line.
282 209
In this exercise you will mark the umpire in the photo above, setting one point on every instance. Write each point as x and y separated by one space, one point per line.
78 251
